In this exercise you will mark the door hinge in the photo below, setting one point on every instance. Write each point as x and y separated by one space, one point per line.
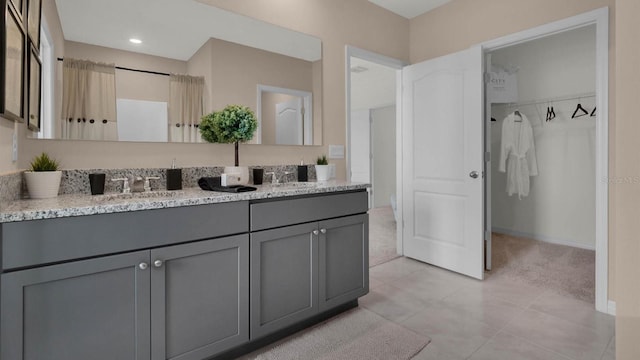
487 77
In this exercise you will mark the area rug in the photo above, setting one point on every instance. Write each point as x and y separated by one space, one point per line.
565 270
382 236
357 334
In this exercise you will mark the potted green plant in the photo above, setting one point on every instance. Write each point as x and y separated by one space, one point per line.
322 168
233 124
43 178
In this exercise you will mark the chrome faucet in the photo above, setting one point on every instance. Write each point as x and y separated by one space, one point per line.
125 184
283 178
147 184
274 179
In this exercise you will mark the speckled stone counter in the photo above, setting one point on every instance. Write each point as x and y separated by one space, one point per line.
81 204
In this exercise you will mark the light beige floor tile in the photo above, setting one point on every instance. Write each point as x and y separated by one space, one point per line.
508 347
429 284
450 333
508 290
392 303
559 335
436 352
576 311
395 269
374 283
479 305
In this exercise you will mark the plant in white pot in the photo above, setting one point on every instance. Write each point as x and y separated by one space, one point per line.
322 168
43 179
234 124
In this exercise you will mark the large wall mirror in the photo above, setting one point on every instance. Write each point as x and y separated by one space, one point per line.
147 70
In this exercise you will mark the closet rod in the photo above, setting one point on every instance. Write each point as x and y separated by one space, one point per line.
550 100
136 70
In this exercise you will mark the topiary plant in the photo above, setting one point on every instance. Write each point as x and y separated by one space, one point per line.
233 124
44 163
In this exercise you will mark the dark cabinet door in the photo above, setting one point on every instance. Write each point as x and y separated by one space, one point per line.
91 309
343 259
200 298
284 274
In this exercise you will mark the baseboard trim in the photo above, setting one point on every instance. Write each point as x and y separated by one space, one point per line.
548 239
611 307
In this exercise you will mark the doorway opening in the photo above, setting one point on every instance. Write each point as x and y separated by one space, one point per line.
540 179
372 93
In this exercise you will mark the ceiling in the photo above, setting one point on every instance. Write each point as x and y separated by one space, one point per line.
409 8
175 29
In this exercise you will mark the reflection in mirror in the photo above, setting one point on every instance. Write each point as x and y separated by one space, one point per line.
286 116
228 54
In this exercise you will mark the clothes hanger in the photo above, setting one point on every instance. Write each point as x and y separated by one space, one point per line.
593 113
579 108
518 116
551 113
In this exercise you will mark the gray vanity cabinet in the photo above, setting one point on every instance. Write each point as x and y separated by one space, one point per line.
91 309
183 302
199 298
284 277
343 260
308 255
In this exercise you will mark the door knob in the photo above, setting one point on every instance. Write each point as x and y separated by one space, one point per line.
315 232
324 231
157 263
143 266
474 174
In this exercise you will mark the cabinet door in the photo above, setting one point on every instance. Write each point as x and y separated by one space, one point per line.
284 274
200 298
344 260
91 309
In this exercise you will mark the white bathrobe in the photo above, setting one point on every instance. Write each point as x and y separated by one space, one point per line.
517 154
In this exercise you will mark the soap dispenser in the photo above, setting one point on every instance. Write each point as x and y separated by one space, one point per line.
174 177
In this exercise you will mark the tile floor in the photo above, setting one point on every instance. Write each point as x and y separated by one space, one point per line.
494 319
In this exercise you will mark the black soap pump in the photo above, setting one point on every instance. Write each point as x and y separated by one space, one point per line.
174 177
302 171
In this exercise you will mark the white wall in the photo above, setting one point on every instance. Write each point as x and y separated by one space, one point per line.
383 134
561 203
360 147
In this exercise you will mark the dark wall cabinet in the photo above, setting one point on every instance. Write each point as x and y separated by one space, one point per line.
184 283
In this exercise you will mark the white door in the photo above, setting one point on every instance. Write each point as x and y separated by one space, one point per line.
443 162
360 142
289 122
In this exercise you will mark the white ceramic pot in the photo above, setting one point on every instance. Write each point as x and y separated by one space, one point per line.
241 171
43 184
322 172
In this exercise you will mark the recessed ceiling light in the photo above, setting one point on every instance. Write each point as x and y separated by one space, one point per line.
135 41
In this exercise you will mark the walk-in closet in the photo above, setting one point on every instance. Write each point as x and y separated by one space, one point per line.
542 180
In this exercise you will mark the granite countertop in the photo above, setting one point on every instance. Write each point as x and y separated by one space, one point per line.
82 204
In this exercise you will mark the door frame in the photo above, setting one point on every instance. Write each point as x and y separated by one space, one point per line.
352 51
600 18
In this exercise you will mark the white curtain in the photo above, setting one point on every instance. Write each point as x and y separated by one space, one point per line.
88 100
186 108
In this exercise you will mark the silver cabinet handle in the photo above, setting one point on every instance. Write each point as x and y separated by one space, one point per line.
474 174
143 266
315 232
157 263
324 231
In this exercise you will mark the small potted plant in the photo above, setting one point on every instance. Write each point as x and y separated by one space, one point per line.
234 124
43 178
322 168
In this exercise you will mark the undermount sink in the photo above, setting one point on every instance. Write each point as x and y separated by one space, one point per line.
136 195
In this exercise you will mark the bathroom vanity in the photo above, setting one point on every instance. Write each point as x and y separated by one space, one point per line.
186 275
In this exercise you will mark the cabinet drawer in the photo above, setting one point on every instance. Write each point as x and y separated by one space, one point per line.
30 243
272 214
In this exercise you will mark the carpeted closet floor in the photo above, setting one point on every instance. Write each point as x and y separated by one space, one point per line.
565 270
